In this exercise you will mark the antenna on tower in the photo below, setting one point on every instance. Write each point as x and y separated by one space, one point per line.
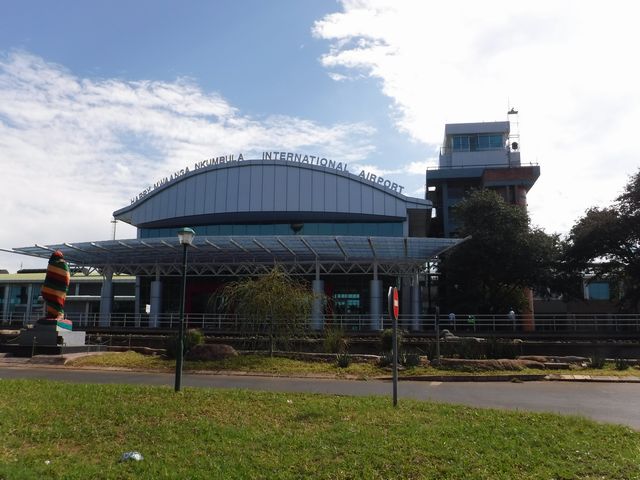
514 130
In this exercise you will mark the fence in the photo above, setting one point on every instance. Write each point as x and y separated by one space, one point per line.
462 323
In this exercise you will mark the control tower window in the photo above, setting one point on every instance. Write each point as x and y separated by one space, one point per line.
477 142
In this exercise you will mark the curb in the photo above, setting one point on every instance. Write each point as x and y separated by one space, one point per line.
589 378
471 378
58 362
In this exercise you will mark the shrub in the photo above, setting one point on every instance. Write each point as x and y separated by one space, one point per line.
343 360
335 341
622 363
410 359
500 349
386 360
192 338
597 361
386 339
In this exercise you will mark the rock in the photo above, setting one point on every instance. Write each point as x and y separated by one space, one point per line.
557 366
211 351
489 364
534 358
555 359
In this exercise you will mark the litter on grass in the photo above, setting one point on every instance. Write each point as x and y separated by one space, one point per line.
137 456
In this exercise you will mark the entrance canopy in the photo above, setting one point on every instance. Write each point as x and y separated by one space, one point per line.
249 255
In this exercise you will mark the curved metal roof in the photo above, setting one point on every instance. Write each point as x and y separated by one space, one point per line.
259 190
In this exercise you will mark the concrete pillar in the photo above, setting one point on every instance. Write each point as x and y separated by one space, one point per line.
528 320
106 297
415 303
136 305
155 299
375 301
317 309
405 299
445 210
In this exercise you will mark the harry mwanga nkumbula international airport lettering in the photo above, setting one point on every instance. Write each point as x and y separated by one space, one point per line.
283 156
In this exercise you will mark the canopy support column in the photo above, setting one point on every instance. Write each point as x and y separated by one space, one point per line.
375 300
415 303
317 309
106 297
155 299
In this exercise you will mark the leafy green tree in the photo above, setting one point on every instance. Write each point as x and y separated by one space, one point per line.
488 272
606 242
273 305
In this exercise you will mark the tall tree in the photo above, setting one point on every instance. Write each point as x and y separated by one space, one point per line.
487 274
606 242
273 305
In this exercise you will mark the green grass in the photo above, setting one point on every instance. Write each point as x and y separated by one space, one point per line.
285 366
209 434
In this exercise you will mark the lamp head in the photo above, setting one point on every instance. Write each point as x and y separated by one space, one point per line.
185 236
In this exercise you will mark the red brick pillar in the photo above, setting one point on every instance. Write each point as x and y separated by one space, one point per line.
528 322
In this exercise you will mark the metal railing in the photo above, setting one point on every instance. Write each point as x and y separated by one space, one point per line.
462 323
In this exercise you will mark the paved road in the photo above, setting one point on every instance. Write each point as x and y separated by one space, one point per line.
606 402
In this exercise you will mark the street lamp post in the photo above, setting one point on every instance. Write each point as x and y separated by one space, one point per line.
185 236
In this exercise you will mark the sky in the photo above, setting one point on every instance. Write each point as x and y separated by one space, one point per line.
98 100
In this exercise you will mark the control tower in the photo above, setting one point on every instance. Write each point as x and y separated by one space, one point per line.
476 156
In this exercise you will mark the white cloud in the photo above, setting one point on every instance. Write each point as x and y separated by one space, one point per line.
567 66
73 149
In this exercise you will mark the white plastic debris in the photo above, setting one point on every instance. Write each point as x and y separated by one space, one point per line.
47 462
137 456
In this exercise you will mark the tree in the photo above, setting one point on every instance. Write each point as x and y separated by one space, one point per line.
606 242
274 305
487 273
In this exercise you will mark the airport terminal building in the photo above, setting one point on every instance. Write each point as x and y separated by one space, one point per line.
351 236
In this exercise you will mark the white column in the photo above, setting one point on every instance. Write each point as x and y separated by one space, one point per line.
136 305
155 303
375 300
317 309
106 297
405 300
415 303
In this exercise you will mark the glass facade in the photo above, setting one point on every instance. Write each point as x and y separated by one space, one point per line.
36 300
379 229
18 299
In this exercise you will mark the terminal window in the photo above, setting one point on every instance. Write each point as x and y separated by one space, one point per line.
347 303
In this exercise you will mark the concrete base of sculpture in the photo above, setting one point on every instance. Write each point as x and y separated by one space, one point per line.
51 335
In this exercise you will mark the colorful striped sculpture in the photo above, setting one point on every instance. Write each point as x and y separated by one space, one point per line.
54 291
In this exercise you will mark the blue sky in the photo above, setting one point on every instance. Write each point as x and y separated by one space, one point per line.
105 98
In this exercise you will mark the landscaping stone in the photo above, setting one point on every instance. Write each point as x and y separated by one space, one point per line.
211 351
557 366
556 359
489 364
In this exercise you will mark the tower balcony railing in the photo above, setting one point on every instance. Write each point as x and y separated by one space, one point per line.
498 157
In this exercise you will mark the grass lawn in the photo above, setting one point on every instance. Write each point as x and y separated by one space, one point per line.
82 430
285 366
